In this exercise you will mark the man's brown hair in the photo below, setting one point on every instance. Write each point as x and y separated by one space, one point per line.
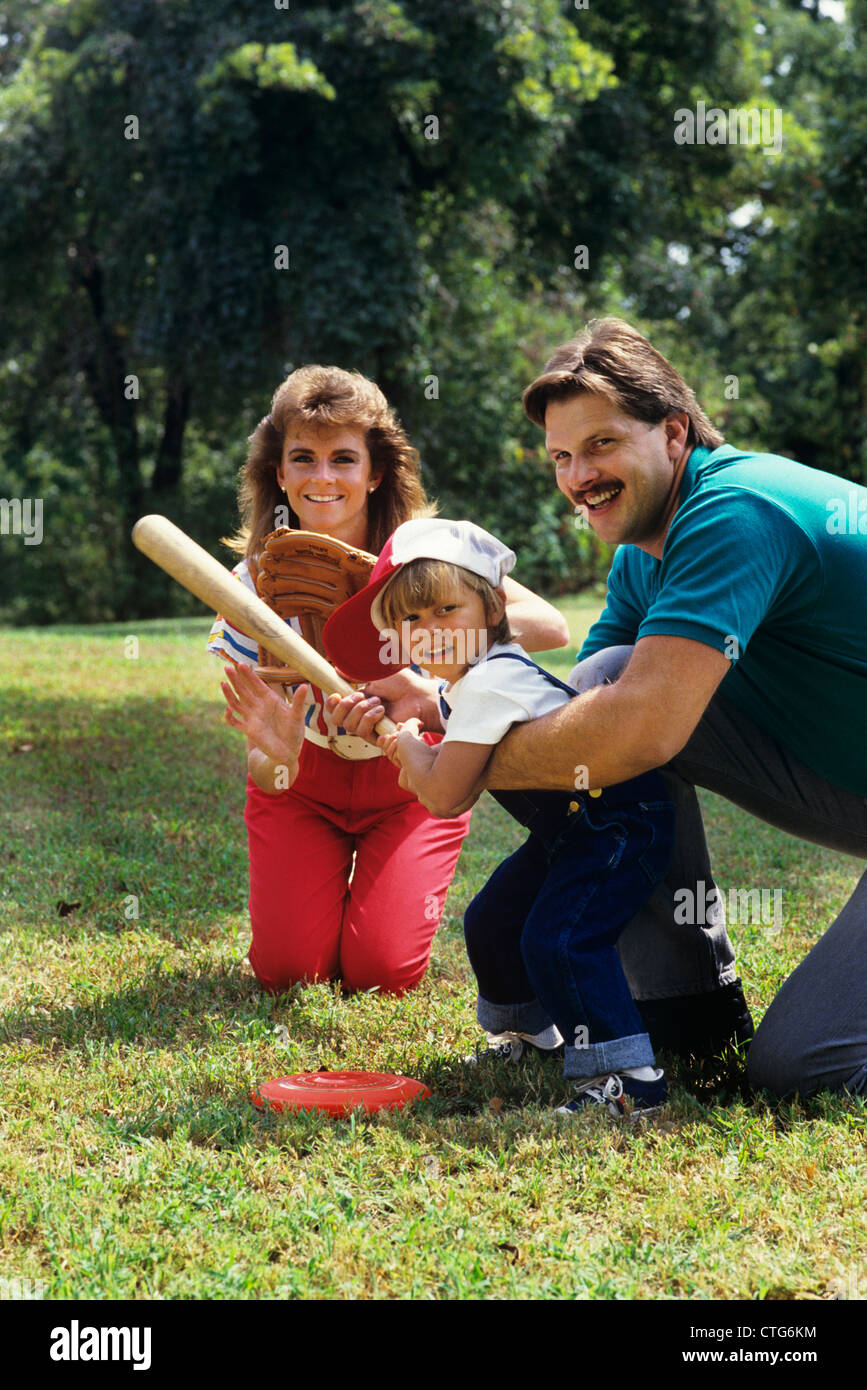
610 358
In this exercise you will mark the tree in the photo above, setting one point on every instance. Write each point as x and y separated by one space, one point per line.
772 295
199 198
195 199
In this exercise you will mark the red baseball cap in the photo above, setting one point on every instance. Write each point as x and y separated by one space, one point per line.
352 635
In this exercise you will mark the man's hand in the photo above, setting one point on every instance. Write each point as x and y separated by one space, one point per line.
271 725
407 695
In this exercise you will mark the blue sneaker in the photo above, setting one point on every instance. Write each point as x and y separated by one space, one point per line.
615 1090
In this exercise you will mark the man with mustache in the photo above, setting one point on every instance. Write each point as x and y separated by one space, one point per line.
732 653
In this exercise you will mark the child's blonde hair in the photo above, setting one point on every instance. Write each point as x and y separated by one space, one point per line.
426 583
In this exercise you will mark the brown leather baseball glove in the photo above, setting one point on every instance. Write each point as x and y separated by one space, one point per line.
303 575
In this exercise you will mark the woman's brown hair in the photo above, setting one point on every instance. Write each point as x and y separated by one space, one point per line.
325 397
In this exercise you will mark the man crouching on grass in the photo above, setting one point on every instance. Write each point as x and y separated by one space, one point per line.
541 935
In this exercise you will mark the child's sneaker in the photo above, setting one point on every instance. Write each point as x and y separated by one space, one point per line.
511 1047
615 1090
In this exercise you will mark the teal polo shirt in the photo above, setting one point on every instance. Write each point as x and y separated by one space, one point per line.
766 561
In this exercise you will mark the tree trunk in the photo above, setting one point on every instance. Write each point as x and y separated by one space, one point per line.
106 374
116 401
169 464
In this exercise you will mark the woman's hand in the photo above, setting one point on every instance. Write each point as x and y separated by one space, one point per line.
356 713
270 723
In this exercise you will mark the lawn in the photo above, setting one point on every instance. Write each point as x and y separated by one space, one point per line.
133 1164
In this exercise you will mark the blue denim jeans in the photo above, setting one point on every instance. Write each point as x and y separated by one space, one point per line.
541 935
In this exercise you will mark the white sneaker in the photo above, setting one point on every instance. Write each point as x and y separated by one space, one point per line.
614 1090
510 1047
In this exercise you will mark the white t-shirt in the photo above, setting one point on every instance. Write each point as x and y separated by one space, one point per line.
494 695
227 640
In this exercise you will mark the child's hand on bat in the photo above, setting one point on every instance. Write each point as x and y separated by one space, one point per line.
270 722
395 745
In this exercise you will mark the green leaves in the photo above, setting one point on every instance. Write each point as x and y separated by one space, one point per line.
554 60
430 168
275 65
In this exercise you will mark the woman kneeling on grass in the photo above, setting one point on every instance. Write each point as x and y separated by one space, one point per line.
348 871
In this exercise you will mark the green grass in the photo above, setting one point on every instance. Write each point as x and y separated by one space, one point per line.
132 1162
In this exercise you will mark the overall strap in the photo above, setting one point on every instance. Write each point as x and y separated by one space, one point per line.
525 660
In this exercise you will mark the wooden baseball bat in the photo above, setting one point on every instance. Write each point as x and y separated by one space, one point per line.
175 552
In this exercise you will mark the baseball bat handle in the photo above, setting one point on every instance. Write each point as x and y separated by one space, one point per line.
179 555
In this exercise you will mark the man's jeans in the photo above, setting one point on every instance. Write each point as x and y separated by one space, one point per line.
814 1035
541 935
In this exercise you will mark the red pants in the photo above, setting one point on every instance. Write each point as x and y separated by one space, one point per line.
309 921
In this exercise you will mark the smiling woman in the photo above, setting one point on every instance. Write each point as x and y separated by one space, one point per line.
335 844
329 455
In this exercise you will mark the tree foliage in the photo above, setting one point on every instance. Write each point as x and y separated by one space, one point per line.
198 198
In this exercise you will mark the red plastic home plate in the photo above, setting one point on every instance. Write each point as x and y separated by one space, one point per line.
338 1092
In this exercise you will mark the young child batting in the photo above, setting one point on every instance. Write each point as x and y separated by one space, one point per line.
541 935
